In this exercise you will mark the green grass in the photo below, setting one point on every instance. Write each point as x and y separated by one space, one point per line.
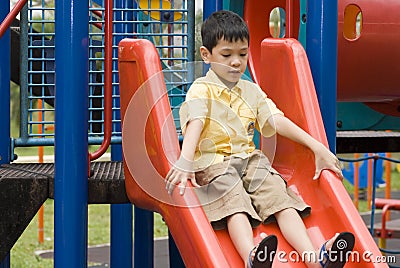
33 151
23 252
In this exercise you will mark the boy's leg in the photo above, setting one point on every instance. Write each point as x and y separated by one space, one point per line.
294 231
241 233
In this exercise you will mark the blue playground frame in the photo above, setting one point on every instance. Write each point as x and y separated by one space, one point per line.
71 136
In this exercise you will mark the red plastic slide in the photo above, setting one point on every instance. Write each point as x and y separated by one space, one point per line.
150 145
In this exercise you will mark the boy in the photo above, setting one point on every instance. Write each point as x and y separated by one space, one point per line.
235 182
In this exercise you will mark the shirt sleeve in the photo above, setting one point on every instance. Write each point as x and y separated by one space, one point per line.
195 105
266 108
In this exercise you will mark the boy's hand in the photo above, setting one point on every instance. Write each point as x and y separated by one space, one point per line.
325 159
180 173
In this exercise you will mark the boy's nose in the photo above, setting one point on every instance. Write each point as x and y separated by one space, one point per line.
235 62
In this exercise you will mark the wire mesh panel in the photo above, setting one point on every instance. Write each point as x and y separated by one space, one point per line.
96 70
40 75
166 23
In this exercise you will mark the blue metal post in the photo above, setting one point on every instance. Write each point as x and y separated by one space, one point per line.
6 262
208 8
121 214
143 235
375 159
143 229
322 21
175 259
71 138
121 235
211 6
5 88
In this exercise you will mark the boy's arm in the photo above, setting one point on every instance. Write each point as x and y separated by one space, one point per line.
324 159
183 169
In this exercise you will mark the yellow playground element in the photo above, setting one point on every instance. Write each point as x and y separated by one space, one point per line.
162 10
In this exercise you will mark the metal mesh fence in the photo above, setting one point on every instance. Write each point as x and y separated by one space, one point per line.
166 23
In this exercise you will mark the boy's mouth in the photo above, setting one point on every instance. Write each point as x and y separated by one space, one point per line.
235 71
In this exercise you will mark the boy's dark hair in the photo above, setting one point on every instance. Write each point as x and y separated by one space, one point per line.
223 24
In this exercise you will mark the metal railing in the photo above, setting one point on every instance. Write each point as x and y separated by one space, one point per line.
374 158
10 17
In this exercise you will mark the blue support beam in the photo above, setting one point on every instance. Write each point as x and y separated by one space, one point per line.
211 6
71 136
143 228
175 259
121 235
5 150
208 8
6 262
143 236
121 214
322 21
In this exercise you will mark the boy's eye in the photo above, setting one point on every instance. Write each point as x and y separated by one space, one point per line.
225 55
243 54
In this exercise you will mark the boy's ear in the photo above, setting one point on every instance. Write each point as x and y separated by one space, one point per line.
205 54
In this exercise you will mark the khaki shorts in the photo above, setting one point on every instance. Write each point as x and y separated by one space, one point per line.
248 185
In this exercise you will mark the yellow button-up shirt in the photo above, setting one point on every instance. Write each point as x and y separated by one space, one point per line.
229 117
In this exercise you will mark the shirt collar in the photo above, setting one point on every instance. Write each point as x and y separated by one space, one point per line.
213 78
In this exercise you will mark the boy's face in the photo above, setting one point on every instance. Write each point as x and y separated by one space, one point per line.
228 59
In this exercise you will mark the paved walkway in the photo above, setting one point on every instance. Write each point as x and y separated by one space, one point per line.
99 256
